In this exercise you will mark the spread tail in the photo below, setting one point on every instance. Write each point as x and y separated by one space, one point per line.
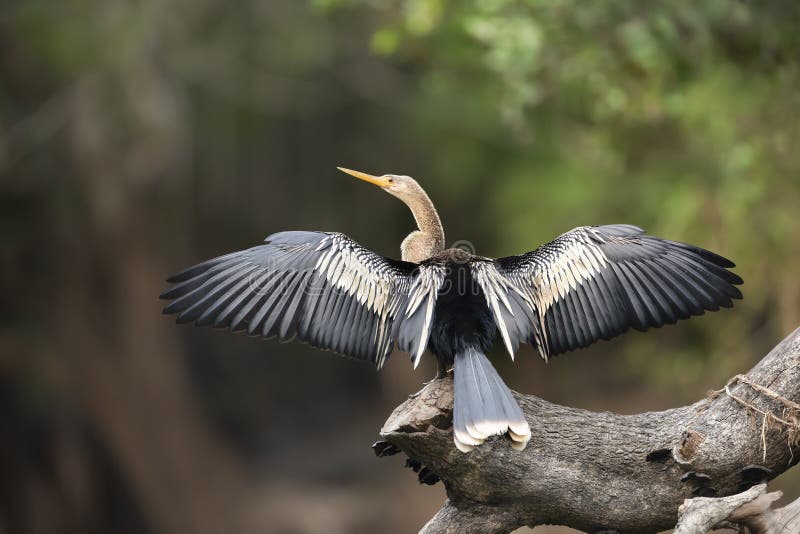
484 406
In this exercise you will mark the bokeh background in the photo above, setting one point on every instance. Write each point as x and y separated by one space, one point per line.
137 138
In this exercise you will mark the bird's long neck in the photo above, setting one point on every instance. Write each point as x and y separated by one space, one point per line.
429 239
427 218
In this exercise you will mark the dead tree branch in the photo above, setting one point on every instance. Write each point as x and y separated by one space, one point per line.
751 508
606 472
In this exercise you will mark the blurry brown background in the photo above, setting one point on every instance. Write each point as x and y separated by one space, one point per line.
137 138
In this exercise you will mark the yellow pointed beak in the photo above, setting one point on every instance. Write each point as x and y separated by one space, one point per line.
377 180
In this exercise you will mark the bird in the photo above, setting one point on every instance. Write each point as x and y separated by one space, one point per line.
326 290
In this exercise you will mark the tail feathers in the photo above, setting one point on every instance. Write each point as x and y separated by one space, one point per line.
484 406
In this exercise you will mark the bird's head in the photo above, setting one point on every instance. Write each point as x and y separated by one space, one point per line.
429 239
403 187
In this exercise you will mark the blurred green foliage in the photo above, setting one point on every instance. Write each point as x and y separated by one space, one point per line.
142 136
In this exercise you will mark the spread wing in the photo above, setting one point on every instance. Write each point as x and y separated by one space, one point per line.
595 283
320 288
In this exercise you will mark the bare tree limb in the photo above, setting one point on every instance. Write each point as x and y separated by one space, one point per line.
788 518
603 472
751 508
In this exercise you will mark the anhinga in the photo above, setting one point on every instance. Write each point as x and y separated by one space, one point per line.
591 283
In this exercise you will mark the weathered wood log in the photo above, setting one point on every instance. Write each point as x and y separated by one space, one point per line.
603 472
751 509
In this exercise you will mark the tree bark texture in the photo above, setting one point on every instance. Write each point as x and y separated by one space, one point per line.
603 472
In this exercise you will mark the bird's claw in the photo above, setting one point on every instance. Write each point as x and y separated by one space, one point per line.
441 374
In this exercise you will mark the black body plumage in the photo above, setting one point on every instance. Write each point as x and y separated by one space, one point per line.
461 319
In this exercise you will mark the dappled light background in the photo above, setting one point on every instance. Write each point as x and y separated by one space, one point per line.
137 138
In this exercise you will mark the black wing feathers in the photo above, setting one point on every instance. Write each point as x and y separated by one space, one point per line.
597 282
322 288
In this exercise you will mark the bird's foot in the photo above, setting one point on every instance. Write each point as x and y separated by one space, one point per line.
417 394
441 373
